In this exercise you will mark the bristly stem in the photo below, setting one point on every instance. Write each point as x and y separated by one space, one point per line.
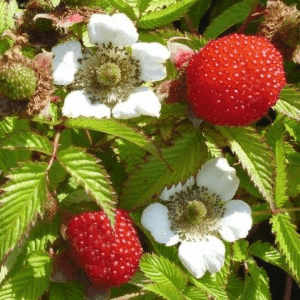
55 148
275 211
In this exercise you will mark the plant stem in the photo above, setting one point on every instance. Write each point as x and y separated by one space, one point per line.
275 211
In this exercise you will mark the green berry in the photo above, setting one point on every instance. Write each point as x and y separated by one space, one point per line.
17 82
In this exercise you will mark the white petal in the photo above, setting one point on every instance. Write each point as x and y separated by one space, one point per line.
65 62
219 178
78 104
152 56
155 219
167 193
117 29
142 101
236 221
200 256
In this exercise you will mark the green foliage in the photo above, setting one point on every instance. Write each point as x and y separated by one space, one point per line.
30 282
162 17
7 11
240 251
66 291
185 158
288 241
293 128
123 7
91 176
192 293
254 155
231 16
24 197
165 290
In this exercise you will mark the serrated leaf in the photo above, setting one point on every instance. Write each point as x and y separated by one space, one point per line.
165 16
234 287
143 5
161 270
91 176
289 103
288 241
165 290
185 158
240 251
12 124
275 136
268 253
66 291
293 128
117 129
27 140
255 156
209 286
192 293
22 201
123 7
9 159
256 284
30 282
7 11
233 15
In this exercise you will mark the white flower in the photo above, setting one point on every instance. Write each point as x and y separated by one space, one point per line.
108 77
196 212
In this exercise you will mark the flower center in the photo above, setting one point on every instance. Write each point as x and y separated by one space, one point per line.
194 213
109 74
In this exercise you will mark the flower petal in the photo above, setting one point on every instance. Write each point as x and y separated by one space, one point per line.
167 193
152 56
236 221
65 62
155 219
200 256
219 178
78 104
142 101
117 29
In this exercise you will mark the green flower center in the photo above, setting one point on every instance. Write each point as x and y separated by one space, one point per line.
194 213
108 74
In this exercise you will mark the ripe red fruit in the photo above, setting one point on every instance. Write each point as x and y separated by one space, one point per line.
110 256
235 79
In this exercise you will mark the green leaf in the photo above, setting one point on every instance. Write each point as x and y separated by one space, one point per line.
165 16
115 128
209 286
256 284
7 11
192 293
143 5
161 270
234 287
288 241
268 253
9 159
165 290
293 128
30 282
91 176
12 124
289 103
233 15
222 276
24 197
185 158
123 7
66 291
275 136
254 155
27 140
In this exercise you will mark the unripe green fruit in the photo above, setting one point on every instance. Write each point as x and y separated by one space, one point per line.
17 82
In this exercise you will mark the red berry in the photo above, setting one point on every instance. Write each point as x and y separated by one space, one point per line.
235 79
110 256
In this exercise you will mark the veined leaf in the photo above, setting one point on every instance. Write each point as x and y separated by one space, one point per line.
293 128
12 124
233 15
9 159
7 11
161 270
288 241
192 293
123 7
66 291
115 128
165 290
235 286
23 199
143 5
185 158
275 137
209 286
289 103
30 282
256 284
254 155
91 176
27 140
162 17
